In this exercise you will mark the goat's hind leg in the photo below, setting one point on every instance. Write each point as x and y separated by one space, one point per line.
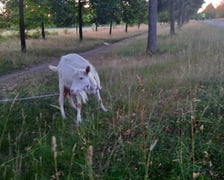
99 99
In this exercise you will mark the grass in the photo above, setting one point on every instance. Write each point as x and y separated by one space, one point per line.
165 119
57 43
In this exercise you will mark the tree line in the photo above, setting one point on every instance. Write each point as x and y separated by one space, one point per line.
65 13
70 13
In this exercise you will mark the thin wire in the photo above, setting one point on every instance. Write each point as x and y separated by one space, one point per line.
28 98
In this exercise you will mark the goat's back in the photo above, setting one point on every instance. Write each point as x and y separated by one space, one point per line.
75 61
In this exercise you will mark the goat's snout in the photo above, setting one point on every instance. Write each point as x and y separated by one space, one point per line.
88 87
73 91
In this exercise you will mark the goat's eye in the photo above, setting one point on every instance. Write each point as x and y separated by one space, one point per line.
81 78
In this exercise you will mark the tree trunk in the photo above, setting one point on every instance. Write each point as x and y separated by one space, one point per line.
22 26
180 14
139 26
126 27
96 28
80 20
42 30
152 27
172 17
111 23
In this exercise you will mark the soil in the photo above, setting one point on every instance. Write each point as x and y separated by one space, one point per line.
11 82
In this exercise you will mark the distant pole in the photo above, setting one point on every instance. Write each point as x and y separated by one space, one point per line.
22 26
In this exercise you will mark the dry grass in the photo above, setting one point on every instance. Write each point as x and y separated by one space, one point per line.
165 119
57 43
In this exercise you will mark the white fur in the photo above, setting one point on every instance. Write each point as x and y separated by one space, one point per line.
75 76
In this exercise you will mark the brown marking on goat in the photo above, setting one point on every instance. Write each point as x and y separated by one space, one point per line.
79 105
67 92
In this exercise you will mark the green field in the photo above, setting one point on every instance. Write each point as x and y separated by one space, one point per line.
165 118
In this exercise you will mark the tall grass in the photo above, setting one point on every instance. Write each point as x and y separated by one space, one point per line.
165 119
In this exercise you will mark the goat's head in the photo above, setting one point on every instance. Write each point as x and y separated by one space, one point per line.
80 80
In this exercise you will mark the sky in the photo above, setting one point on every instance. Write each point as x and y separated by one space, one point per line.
207 2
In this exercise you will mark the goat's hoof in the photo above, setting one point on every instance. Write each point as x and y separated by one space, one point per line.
104 109
79 120
63 117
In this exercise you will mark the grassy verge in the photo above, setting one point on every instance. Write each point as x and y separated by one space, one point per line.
57 43
165 119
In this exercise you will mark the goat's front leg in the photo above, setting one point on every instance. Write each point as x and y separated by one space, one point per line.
78 107
61 101
100 101
71 102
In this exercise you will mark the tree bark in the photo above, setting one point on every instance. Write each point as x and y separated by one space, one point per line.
111 24
80 20
152 27
42 30
172 17
22 26
126 27
180 14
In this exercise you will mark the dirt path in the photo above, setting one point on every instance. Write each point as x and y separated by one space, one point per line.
11 81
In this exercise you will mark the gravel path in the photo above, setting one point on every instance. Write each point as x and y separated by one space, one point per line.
214 22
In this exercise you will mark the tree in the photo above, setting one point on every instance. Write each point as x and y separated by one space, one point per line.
37 15
186 9
220 10
113 12
210 11
152 27
140 12
180 10
127 12
63 12
106 12
172 17
133 11
81 4
22 26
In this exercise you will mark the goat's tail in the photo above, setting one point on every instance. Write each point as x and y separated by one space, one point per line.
53 68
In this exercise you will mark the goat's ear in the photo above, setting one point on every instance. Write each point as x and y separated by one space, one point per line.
87 70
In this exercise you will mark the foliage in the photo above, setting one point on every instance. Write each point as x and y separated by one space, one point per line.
184 9
163 17
35 12
64 13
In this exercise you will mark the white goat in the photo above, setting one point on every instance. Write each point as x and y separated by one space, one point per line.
77 77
